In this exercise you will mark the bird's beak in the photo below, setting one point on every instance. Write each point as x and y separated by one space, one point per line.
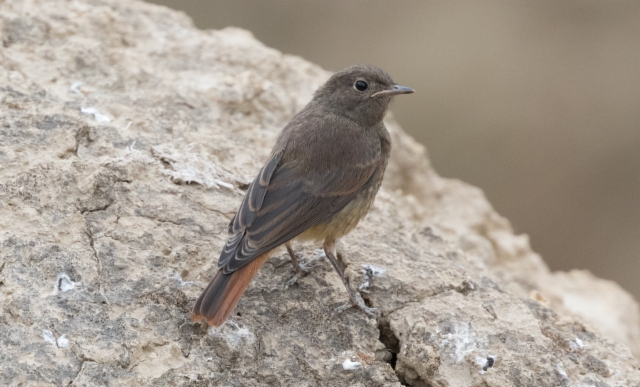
394 91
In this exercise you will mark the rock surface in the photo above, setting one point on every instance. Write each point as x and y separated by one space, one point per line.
127 137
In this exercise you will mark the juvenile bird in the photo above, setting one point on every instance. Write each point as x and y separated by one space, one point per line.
319 181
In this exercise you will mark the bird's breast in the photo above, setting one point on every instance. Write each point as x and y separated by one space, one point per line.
345 220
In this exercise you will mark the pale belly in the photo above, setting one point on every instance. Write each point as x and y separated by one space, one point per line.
344 221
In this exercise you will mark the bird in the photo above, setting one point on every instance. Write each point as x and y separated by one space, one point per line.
319 181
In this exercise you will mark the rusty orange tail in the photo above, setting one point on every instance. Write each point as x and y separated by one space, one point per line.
222 294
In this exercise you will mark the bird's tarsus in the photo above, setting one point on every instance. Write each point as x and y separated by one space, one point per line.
355 299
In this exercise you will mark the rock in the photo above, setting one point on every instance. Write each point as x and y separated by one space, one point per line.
600 303
127 138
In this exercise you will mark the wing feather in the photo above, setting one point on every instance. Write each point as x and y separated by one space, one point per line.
283 202
246 213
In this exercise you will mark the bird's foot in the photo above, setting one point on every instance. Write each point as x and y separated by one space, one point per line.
302 269
356 301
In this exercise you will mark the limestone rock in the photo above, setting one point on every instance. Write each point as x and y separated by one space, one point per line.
127 138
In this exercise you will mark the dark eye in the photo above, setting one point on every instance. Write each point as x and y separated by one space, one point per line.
361 85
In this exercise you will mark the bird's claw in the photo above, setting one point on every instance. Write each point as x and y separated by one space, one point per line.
358 302
301 269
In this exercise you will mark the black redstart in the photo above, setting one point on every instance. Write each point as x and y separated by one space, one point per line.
320 180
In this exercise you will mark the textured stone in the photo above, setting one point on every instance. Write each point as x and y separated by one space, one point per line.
115 194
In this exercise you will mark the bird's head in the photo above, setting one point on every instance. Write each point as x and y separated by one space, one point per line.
361 92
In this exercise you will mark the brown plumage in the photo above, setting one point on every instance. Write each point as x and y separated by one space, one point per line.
320 180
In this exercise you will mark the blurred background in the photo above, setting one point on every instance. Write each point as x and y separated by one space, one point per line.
536 102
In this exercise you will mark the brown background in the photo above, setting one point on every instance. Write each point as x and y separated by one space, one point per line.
536 102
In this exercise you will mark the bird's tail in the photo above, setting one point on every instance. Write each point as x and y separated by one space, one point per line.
222 294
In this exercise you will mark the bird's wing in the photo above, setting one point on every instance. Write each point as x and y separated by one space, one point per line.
281 204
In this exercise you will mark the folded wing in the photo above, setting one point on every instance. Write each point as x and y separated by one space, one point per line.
282 202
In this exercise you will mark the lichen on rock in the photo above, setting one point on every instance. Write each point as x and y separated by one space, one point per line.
127 138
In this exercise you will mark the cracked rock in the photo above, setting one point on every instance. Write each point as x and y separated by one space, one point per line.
124 219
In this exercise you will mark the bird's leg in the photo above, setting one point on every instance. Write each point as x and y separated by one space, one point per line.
355 299
301 268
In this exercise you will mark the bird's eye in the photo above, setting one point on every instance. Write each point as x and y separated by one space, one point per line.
360 85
